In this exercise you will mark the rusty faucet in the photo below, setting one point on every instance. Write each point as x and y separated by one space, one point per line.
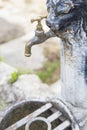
40 36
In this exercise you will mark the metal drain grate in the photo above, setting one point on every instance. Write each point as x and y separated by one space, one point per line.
59 112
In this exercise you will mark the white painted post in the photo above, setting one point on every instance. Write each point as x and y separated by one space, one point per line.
74 72
68 20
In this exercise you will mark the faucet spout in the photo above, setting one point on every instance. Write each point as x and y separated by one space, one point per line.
28 46
37 39
27 50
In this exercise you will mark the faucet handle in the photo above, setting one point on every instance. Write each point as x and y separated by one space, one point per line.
39 25
38 19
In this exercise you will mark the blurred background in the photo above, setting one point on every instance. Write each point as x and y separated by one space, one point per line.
21 77
15 17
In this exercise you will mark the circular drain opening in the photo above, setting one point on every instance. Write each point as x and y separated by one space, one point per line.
39 123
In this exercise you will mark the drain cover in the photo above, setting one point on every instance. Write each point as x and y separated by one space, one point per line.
54 115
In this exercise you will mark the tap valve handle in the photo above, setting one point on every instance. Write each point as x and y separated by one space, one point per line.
39 25
39 19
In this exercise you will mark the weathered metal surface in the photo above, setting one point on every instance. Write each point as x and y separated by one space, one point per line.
31 116
68 20
63 126
44 117
39 119
18 112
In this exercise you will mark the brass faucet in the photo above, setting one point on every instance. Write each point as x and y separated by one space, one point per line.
40 36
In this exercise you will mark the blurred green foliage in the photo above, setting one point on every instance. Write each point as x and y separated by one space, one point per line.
14 77
48 71
1 59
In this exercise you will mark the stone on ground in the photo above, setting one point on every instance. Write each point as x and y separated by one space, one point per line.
26 87
30 86
5 72
6 94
